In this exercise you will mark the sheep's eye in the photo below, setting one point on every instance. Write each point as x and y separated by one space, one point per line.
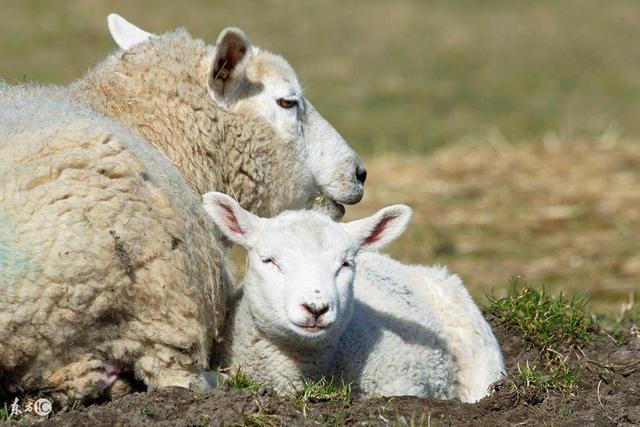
347 264
287 103
268 261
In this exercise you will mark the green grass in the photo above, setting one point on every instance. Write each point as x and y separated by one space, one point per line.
322 390
146 412
326 388
542 319
558 375
408 75
550 323
240 381
4 412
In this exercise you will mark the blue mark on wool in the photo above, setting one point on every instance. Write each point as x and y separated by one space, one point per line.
15 263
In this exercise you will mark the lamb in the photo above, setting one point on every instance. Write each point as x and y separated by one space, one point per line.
108 262
303 312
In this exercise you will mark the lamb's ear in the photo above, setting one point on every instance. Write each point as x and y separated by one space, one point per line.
125 33
234 222
229 64
381 228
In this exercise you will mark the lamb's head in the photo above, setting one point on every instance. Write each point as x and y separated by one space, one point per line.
299 281
247 80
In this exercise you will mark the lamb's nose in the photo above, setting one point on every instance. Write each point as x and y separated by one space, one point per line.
316 310
361 174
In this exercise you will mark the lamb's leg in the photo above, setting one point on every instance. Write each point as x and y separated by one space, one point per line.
475 349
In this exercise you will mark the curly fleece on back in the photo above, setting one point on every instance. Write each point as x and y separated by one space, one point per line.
108 262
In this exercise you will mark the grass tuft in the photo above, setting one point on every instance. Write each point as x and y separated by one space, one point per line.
4 412
542 319
549 323
240 381
6 415
558 375
146 412
324 389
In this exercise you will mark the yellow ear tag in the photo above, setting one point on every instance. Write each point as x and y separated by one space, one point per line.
223 73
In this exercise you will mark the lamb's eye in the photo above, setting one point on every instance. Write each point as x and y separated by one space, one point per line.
268 261
287 103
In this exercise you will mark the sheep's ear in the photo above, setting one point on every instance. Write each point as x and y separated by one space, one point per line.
381 228
229 64
125 33
234 222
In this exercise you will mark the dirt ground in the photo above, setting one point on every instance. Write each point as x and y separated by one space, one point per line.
609 395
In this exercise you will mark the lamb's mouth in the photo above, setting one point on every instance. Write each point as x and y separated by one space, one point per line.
326 205
312 329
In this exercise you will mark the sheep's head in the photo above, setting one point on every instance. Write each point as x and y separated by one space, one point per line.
299 281
250 81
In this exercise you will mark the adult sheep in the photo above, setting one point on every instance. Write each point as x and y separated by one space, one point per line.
316 302
108 262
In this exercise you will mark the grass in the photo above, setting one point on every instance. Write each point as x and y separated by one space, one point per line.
559 376
146 412
552 324
542 319
326 388
240 381
5 412
322 390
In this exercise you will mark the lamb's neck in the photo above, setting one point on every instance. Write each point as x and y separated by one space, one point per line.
272 364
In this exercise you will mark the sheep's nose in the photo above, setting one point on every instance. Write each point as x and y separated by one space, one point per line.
316 310
361 174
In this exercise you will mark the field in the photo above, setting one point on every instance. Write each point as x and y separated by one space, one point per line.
511 128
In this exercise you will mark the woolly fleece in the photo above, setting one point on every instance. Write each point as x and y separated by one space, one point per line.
108 261
159 90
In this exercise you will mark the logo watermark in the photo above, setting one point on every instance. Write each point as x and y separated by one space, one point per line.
41 407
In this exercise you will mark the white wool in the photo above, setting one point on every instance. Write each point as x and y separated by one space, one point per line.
441 300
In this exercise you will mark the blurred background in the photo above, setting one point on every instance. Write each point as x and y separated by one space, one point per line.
510 127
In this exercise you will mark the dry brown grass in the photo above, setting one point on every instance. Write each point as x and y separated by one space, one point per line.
563 214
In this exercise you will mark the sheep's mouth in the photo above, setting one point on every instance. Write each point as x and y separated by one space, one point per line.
326 205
